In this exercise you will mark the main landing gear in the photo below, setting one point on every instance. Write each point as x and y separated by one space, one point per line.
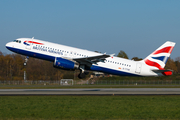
82 73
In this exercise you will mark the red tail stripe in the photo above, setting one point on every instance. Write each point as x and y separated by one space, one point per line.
164 50
154 64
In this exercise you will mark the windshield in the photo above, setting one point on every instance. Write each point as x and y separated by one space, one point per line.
18 41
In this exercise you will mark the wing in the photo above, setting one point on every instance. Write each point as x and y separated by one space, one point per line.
91 60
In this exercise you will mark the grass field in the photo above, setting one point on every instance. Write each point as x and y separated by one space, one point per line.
89 107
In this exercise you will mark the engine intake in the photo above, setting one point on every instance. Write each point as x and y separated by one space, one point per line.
65 64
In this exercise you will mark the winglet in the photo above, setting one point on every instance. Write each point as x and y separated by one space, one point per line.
112 55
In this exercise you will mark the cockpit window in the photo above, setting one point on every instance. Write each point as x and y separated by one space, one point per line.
18 41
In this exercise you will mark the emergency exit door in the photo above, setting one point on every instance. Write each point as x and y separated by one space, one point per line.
138 68
28 46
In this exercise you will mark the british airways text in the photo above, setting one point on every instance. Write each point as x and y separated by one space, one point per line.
47 50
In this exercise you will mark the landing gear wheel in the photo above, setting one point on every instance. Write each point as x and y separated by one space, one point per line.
82 73
86 72
81 76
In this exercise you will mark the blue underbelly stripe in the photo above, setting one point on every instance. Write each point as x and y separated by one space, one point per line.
111 71
32 54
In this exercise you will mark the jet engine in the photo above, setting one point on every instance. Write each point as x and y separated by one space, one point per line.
65 64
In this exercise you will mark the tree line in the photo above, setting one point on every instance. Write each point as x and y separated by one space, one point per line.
12 68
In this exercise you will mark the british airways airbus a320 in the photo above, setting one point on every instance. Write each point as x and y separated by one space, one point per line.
70 58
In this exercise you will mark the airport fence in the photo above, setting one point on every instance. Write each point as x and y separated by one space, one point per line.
137 82
92 82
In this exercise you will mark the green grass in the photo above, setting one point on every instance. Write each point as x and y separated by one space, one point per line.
89 107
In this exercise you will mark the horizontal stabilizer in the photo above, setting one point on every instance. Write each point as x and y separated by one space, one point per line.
160 71
164 72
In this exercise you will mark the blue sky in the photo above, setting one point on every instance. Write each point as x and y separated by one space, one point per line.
137 27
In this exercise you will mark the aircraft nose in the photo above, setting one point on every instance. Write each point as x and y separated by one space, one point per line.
8 45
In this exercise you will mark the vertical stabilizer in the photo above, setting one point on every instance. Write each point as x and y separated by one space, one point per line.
160 56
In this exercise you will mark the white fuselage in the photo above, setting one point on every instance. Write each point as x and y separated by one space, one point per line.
49 51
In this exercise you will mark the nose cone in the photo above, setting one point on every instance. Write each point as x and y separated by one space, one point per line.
8 45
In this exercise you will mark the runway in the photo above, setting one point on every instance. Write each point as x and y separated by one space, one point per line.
91 91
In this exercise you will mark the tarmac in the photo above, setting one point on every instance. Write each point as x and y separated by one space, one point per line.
90 91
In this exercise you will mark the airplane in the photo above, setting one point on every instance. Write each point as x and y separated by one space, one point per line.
71 58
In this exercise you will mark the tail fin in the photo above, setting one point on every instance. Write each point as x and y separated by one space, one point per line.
160 56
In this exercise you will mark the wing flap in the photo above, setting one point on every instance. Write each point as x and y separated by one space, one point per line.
92 60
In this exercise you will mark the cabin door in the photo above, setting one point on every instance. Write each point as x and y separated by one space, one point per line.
71 54
138 68
28 46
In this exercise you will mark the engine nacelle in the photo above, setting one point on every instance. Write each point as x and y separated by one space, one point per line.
65 64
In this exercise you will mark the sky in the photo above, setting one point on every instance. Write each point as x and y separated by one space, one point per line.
137 27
